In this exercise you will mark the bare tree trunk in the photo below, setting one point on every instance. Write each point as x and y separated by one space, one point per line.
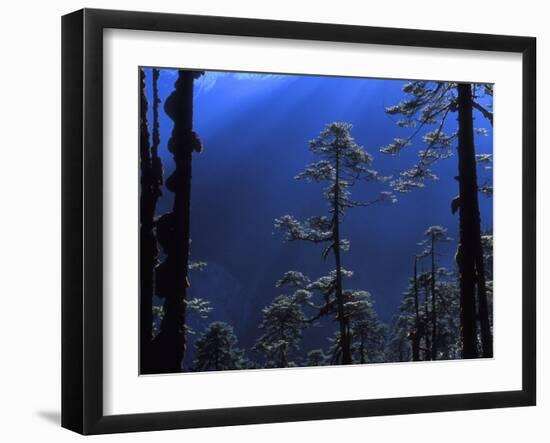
344 339
416 336
173 230
484 315
156 164
469 221
147 242
434 313
427 337
283 357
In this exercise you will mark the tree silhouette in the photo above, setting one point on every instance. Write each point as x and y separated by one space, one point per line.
424 282
415 320
283 321
150 183
409 323
470 226
434 235
399 347
216 349
173 229
343 163
448 318
367 333
196 305
316 357
418 326
431 104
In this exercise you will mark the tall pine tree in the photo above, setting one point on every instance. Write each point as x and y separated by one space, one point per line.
343 163
433 235
430 104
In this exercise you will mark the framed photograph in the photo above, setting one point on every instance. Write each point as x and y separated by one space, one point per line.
269 221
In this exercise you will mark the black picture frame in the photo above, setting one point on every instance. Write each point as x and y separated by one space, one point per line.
82 215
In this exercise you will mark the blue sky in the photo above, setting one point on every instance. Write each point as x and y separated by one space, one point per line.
255 131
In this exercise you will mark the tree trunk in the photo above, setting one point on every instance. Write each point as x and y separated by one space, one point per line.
344 339
427 337
416 336
362 350
283 363
434 313
484 320
173 230
484 314
216 352
469 221
156 164
148 247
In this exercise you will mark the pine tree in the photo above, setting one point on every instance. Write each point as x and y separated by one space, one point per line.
316 357
343 163
487 253
415 319
418 325
409 322
434 235
367 332
399 346
429 104
283 321
448 320
216 349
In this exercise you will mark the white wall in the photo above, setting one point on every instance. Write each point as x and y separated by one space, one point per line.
30 222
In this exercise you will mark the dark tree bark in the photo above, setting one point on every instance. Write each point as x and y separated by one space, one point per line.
427 335
484 315
283 357
148 247
417 335
344 334
156 163
482 303
469 221
173 230
434 312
